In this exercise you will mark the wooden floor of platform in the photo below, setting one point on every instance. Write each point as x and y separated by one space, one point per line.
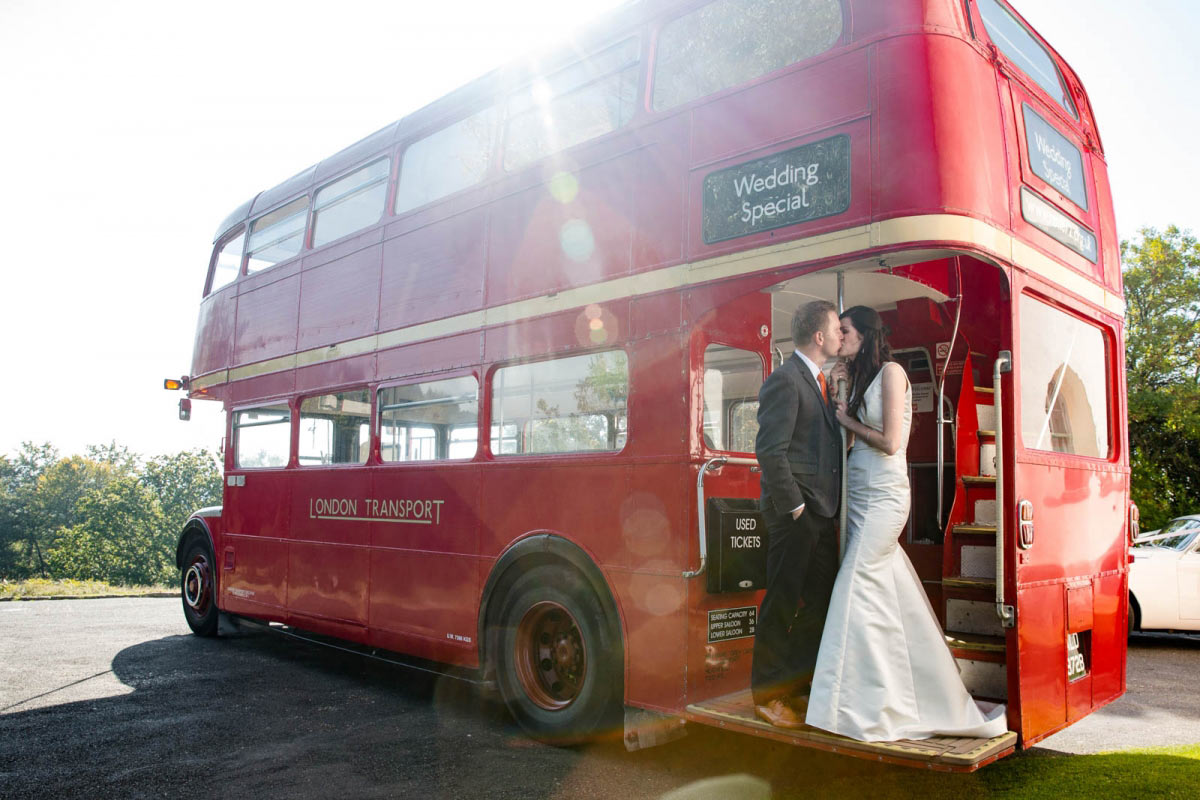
942 753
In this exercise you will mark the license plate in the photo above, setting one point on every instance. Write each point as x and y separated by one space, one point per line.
1076 658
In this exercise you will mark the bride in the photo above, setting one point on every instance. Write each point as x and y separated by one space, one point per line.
884 671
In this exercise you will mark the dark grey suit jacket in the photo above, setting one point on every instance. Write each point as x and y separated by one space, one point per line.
799 443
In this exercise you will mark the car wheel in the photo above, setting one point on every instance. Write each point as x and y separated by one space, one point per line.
559 667
198 588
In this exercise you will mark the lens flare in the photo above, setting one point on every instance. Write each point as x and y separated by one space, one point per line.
564 187
576 240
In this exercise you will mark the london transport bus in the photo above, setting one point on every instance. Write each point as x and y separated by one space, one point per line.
491 373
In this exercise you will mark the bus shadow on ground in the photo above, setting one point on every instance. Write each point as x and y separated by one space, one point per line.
263 716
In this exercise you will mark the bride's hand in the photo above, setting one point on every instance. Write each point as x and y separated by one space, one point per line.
840 372
843 413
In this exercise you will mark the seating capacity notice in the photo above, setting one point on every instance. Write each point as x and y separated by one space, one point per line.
731 623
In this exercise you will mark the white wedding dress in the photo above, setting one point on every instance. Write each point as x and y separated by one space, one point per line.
884 671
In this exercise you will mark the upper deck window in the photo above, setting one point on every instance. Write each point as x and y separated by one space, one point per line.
1064 394
583 101
444 162
1021 48
277 236
351 203
730 42
229 260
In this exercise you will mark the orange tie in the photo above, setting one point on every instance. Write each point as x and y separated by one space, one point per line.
821 383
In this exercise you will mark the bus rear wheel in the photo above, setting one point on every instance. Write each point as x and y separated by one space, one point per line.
559 668
198 588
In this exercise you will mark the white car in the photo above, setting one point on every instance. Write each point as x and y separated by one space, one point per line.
1164 578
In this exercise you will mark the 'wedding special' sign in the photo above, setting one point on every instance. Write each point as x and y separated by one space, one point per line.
797 185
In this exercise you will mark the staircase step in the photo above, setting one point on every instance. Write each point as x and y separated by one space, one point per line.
985 390
986 434
967 582
987 417
979 480
975 530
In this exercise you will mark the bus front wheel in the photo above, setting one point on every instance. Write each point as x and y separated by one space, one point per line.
198 588
559 668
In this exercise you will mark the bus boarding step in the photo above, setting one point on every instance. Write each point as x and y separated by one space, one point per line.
975 529
735 712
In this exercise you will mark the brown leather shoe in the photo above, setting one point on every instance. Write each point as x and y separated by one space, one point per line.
778 713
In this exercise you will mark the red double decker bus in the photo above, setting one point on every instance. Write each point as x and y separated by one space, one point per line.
491 373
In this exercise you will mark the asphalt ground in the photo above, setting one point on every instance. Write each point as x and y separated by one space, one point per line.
115 698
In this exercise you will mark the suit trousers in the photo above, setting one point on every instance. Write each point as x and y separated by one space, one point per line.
802 564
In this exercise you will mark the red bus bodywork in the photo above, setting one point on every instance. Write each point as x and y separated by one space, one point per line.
939 154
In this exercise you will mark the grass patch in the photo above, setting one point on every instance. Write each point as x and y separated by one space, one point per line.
1152 772
45 587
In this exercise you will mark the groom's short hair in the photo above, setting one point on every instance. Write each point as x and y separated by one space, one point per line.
808 319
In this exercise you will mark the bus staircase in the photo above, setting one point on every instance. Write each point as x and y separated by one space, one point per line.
973 631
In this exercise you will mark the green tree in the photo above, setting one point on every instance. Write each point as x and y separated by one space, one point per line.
22 540
183 483
1162 362
120 537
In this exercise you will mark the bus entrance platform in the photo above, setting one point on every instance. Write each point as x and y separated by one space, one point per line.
735 712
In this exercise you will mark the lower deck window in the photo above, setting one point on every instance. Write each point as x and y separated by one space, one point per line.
568 405
262 436
335 428
1064 382
732 378
431 421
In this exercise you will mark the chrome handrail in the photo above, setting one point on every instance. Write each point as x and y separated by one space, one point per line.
1005 612
713 464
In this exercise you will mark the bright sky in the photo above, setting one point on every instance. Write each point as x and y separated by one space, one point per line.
131 128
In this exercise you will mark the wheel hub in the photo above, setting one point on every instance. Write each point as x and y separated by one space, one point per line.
196 585
550 656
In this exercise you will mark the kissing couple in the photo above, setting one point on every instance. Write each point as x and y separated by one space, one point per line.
855 650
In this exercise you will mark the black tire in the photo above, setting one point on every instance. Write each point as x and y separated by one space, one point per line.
559 664
197 584
1133 615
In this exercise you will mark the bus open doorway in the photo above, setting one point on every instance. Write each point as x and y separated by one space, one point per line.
948 322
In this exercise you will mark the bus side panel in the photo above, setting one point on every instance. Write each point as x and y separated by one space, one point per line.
433 271
214 332
1042 659
577 234
254 555
655 638
659 172
424 576
327 557
268 314
337 301
939 131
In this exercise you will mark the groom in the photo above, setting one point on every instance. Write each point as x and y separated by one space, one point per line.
799 450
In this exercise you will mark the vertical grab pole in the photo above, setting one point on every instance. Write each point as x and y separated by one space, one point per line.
841 392
942 422
1006 613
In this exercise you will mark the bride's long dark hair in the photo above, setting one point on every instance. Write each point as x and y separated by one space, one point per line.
871 356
